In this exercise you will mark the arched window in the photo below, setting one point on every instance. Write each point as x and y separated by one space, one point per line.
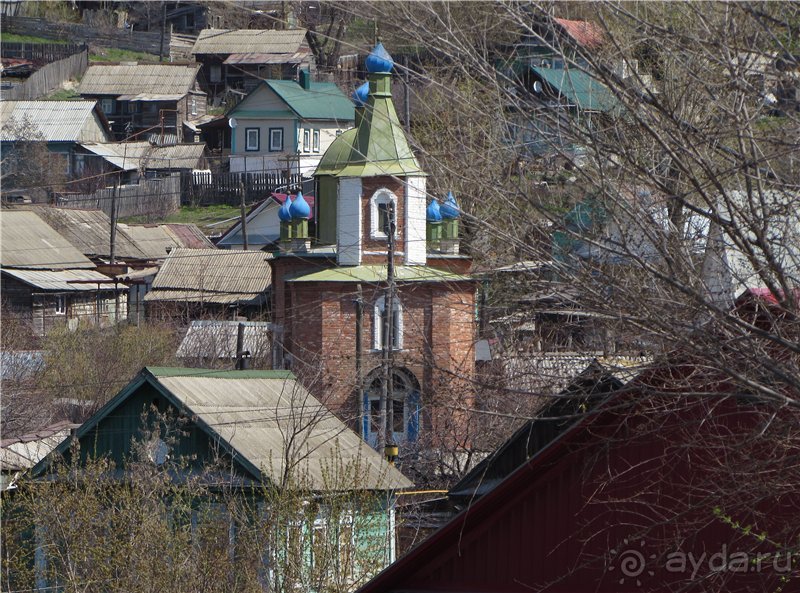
379 321
402 406
379 213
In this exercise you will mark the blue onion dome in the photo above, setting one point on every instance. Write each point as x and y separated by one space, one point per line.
360 95
300 208
450 209
284 212
433 214
379 60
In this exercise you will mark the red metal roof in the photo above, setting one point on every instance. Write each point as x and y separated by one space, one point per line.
589 35
618 484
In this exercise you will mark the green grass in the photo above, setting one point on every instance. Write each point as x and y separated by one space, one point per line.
63 95
112 54
17 38
202 216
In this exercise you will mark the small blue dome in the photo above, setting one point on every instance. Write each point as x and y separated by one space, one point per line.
379 60
284 212
433 213
450 208
300 208
360 95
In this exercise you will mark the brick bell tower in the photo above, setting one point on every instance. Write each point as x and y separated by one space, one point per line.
382 348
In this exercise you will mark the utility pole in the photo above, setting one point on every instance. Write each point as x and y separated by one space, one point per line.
406 95
243 191
359 303
386 409
163 31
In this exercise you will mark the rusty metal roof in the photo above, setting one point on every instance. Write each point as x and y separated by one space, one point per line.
89 231
212 276
64 280
154 80
27 241
53 121
273 424
243 41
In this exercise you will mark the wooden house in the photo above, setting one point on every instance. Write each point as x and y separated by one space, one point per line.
286 125
157 101
218 283
49 281
248 433
238 60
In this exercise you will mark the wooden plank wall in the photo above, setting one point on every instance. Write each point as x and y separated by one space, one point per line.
155 198
50 77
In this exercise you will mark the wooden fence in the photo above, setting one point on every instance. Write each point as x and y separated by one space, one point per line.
154 198
201 188
42 53
144 41
50 77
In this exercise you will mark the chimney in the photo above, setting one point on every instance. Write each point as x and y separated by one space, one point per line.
305 79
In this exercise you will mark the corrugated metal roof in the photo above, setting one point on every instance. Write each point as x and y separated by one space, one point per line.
242 41
212 275
55 121
143 155
578 88
89 231
64 280
155 239
27 241
323 100
156 80
217 339
275 425
378 274
585 33
24 452
296 57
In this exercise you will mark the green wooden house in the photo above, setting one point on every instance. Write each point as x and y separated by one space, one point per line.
252 436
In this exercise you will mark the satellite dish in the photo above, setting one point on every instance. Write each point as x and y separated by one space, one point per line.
233 123
537 87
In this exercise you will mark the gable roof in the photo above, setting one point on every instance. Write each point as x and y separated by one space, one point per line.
267 422
211 338
139 81
212 276
242 41
578 88
322 101
154 240
55 121
233 234
23 452
589 35
144 155
89 231
27 241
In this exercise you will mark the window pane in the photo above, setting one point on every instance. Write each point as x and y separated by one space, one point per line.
383 218
397 410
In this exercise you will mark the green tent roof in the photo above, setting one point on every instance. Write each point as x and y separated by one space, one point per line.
378 274
378 146
323 100
579 88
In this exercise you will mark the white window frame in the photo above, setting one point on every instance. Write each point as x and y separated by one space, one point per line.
193 105
306 140
249 147
382 196
315 141
276 139
61 304
107 106
377 330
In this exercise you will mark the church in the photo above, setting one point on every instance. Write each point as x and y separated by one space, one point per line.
380 290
